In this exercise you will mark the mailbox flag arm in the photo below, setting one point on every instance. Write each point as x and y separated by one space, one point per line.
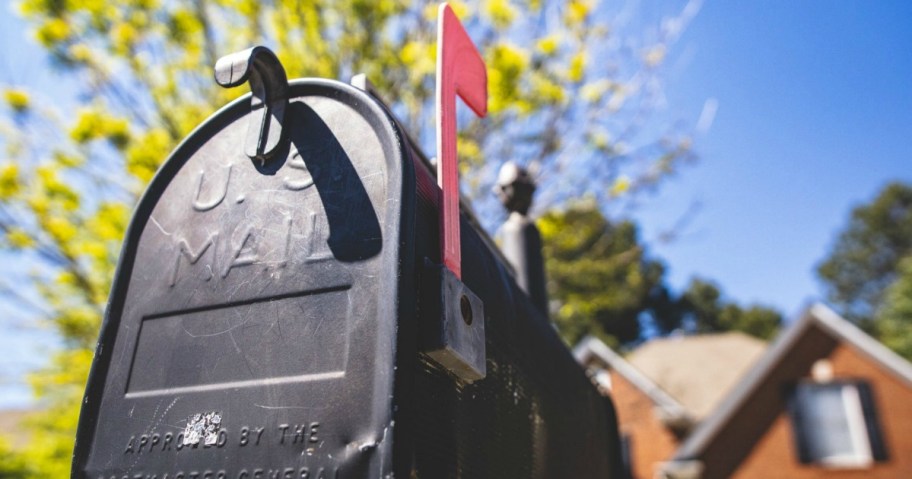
457 340
460 71
269 89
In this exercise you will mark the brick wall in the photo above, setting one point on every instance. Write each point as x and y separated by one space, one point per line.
774 454
650 441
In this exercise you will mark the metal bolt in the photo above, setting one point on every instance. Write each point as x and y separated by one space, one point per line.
466 307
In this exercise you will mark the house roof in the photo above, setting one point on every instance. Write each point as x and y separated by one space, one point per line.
699 370
817 317
11 427
592 348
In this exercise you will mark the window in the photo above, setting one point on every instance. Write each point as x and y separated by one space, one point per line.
835 424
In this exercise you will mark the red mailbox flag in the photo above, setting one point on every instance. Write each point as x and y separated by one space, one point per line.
460 71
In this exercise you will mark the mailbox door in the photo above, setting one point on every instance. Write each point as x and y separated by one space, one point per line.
252 327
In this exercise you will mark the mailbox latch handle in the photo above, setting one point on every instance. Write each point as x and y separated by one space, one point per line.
269 87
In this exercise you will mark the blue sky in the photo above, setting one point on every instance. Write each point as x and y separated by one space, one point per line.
24 344
814 115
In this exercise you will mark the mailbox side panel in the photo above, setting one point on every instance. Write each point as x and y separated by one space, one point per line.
535 414
252 327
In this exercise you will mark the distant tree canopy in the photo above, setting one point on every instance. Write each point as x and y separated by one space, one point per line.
598 274
12 465
570 91
894 319
705 310
865 259
603 283
868 273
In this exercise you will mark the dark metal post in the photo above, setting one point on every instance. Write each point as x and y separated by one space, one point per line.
521 240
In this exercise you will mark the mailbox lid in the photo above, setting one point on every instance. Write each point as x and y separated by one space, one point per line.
251 328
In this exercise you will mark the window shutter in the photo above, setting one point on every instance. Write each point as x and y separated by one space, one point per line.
801 440
875 435
627 462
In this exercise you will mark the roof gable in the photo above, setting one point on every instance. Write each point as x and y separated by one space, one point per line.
592 348
818 318
698 370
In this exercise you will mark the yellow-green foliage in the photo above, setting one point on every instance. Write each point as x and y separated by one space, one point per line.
894 321
598 272
143 70
18 100
13 464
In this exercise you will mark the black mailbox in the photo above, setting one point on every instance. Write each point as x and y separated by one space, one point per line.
277 305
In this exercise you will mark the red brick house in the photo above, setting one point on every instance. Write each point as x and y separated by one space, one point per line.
824 399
